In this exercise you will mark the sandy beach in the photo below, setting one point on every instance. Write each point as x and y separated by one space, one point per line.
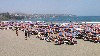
12 45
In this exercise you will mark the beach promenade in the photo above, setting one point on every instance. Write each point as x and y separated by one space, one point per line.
12 45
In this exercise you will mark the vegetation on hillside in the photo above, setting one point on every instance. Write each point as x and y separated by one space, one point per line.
7 16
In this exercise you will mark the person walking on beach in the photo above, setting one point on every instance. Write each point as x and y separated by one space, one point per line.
29 33
26 34
17 31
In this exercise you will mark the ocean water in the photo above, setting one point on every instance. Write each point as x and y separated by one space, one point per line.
67 19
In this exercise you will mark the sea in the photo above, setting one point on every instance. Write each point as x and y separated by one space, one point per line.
62 19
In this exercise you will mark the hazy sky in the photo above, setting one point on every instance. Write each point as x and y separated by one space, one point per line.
76 7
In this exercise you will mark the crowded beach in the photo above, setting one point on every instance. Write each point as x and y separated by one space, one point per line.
64 33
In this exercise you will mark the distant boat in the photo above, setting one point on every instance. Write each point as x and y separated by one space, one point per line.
70 15
29 18
53 16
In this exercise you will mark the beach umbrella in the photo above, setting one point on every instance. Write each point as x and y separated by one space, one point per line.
71 26
79 29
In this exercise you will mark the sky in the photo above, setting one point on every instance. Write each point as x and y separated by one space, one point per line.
75 7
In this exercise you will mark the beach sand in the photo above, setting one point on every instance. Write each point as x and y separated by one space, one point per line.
12 45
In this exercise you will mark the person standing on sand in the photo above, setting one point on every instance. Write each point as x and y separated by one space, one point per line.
26 34
17 31
29 33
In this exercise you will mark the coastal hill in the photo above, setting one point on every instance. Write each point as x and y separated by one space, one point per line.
20 16
8 16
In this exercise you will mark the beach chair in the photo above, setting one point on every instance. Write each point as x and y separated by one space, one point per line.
48 39
70 40
57 42
85 37
96 39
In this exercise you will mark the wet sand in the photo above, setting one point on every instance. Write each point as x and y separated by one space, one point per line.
12 45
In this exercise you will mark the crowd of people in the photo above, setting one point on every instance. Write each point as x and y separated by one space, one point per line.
65 33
